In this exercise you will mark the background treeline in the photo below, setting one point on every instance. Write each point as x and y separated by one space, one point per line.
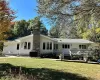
23 28
91 33
72 18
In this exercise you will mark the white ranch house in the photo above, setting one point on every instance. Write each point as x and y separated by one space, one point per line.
23 46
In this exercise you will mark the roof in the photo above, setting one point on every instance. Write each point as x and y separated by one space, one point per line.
25 37
48 37
55 39
72 40
33 35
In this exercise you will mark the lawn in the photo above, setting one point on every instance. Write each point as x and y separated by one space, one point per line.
46 69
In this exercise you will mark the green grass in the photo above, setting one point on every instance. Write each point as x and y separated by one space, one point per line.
46 69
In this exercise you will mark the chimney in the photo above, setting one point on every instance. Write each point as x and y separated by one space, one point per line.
35 52
36 41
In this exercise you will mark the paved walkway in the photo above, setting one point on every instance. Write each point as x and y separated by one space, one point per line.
15 57
79 61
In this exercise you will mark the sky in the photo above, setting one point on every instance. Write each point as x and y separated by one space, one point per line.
25 9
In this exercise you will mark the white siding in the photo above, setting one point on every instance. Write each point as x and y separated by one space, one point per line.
13 47
74 46
44 39
10 48
26 51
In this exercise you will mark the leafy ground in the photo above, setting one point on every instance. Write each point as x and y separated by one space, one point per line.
46 69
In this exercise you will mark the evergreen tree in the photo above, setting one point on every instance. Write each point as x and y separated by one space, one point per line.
23 28
32 25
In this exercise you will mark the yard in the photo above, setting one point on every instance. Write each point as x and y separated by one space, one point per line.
46 69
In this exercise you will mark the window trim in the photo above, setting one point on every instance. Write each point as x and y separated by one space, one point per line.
66 46
82 46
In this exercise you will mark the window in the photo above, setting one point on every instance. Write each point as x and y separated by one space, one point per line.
85 47
44 46
65 46
29 45
50 45
68 46
79 46
17 46
56 46
25 45
47 45
82 47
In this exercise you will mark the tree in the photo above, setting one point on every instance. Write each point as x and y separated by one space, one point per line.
23 28
43 30
92 34
87 15
20 28
55 32
74 33
37 21
62 13
57 11
6 16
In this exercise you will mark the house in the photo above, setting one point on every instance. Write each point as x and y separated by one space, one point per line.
46 45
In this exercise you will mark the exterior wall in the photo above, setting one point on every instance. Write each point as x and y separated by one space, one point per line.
42 40
10 49
23 51
12 46
74 46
